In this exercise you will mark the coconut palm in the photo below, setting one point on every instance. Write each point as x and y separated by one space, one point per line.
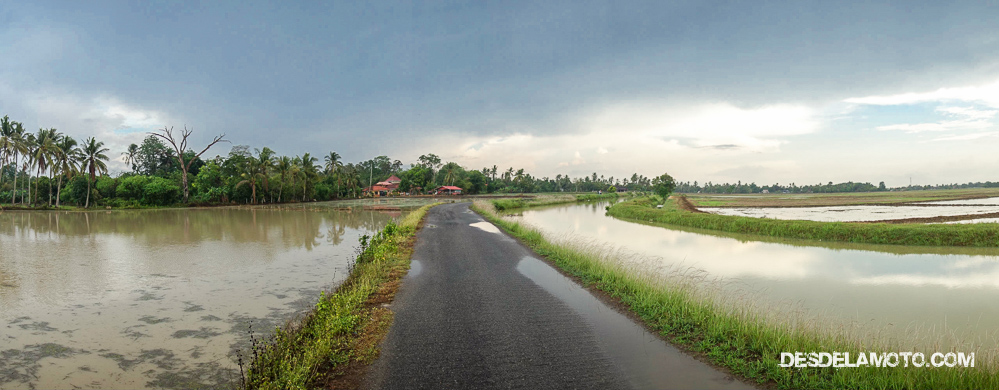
283 166
93 162
309 171
66 162
11 145
265 164
131 155
251 170
333 166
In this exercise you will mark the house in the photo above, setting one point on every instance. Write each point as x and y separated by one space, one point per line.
391 184
376 190
447 190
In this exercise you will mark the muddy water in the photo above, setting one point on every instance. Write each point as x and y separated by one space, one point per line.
918 296
160 298
867 213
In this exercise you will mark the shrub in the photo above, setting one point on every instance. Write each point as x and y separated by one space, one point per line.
132 187
161 192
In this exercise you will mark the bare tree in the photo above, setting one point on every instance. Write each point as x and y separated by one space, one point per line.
167 134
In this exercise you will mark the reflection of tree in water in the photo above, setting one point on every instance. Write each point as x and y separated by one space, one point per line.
292 228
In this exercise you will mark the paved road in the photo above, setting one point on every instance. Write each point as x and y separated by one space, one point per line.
479 311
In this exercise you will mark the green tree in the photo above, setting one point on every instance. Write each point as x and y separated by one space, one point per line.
663 185
93 162
66 162
131 156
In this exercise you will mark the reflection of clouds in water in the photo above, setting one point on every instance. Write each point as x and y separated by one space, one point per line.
978 279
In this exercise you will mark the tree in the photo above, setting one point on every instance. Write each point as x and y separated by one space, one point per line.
283 166
265 163
252 171
881 186
333 166
179 148
93 162
66 161
131 155
663 185
308 171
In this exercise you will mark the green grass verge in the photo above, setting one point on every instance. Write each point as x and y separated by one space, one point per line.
328 338
544 200
745 341
969 235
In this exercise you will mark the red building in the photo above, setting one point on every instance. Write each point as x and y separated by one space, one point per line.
447 190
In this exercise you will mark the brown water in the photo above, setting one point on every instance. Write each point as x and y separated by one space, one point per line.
161 298
919 296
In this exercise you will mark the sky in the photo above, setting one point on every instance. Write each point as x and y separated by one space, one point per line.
752 91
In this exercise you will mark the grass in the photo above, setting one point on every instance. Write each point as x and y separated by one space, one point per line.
837 199
346 326
745 339
966 235
544 200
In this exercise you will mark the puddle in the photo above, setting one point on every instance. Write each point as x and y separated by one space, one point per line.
486 226
646 360
415 268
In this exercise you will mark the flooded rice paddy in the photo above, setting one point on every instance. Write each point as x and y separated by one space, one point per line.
865 213
918 296
162 298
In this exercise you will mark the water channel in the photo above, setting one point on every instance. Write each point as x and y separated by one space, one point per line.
162 298
926 297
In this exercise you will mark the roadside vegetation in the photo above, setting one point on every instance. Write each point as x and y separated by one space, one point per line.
345 327
672 214
549 199
742 337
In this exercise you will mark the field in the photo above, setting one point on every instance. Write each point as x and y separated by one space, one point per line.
837 199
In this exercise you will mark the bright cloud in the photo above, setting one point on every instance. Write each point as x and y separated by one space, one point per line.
106 118
965 118
721 126
985 94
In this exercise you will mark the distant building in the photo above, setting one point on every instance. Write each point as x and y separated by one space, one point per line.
765 192
447 190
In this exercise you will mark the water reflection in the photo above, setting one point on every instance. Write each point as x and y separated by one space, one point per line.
159 298
950 293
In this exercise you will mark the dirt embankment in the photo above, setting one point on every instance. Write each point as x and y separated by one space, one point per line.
685 204
946 218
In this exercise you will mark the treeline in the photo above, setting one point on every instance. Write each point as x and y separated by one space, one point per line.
753 188
49 168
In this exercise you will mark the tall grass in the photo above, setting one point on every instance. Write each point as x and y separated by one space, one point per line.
301 355
746 338
970 235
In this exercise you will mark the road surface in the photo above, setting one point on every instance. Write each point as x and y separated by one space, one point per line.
478 310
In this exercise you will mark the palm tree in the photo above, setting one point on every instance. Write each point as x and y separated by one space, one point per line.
131 155
265 163
93 162
309 170
251 171
333 166
10 146
283 166
46 150
66 162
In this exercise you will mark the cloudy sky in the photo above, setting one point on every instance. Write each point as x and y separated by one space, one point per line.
771 92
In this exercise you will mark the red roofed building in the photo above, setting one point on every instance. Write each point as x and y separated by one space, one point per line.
447 190
391 184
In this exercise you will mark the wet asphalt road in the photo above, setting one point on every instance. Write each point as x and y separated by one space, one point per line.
479 311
